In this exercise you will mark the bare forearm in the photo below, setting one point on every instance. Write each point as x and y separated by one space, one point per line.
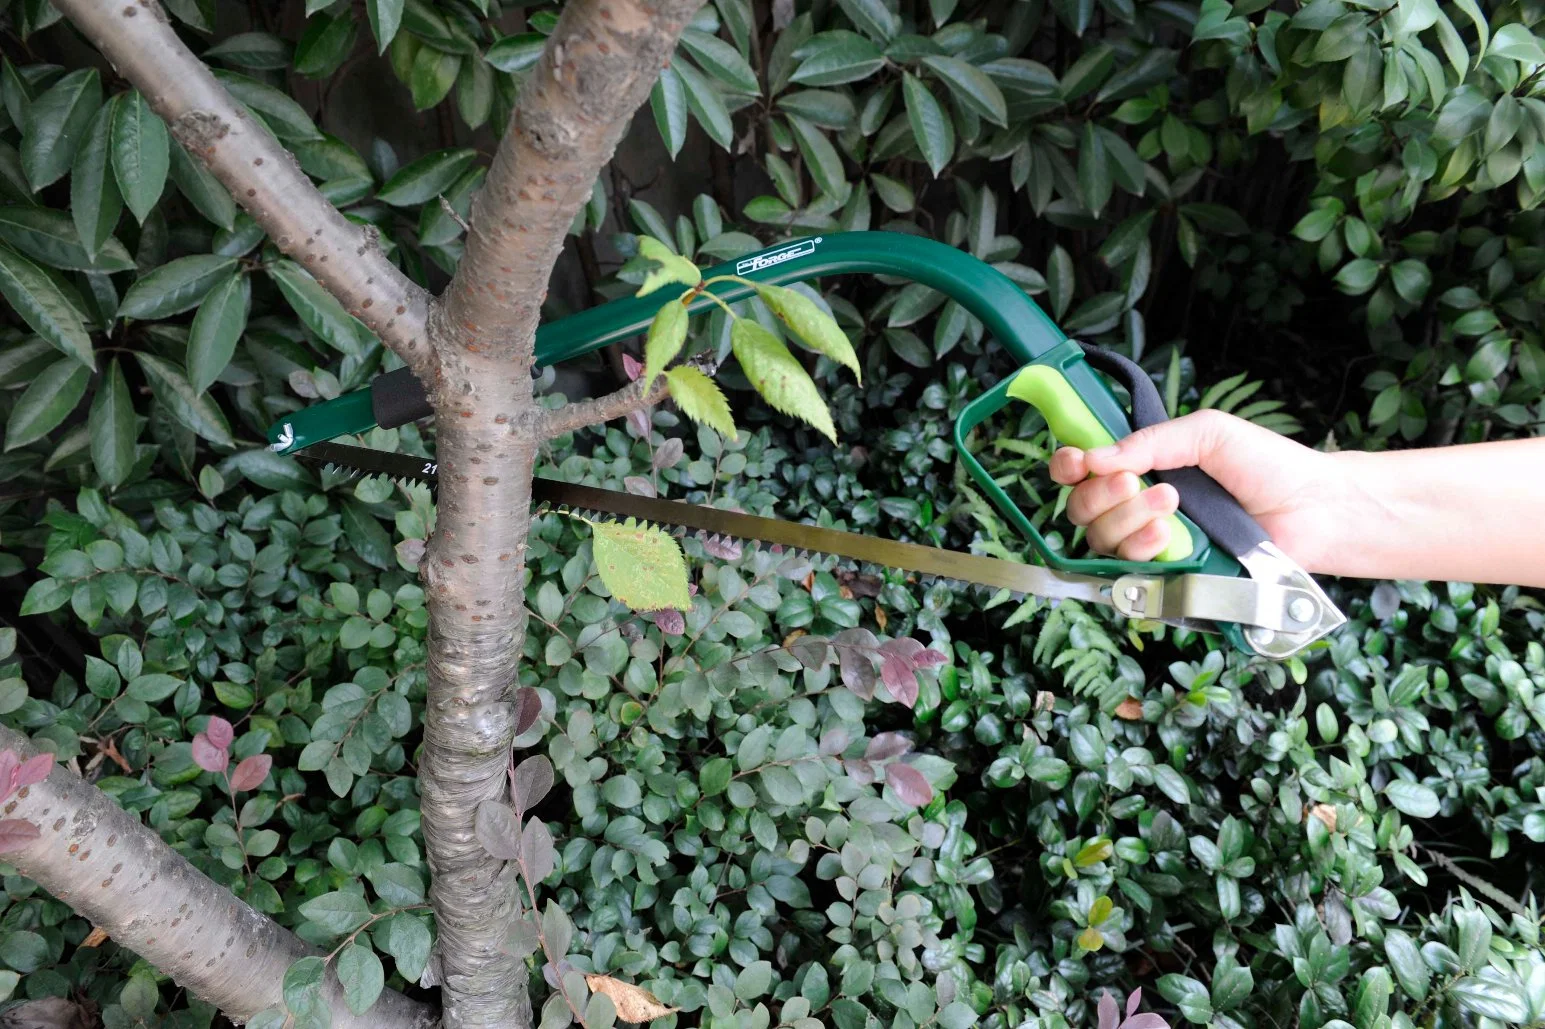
1459 514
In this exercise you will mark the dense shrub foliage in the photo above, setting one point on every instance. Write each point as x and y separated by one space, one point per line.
1321 216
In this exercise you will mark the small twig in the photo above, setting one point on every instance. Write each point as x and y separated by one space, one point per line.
613 405
445 205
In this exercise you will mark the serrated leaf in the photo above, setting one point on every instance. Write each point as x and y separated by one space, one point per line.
194 411
219 323
175 287
33 295
46 403
141 158
57 123
667 335
700 399
426 178
322 313
95 202
931 125
778 376
362 977
814 326
641 565
113 427
671 267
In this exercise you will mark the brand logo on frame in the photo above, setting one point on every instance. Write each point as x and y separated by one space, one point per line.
759 261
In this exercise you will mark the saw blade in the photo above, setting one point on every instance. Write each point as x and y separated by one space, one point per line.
912 557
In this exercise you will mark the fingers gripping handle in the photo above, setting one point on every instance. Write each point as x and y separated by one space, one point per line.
1205 502
1071 421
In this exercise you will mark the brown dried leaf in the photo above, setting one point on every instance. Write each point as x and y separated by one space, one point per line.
633 1003
1325 813
95 938
1130 709
1044 701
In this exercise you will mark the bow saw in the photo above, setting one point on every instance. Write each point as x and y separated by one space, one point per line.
1219 573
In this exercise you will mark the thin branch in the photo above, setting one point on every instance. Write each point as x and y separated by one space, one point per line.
577 102
260 173
602 409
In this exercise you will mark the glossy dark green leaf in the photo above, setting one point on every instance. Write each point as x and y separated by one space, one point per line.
41 304
838 57
46 403
141 158
219 323
516 53
362 978
175 287
434 73
706 105
435 227
95 203
475 93
50 238
426 178
1095 180
193 410
325 44
365 534
202 189
259 51
721 60
322 313
288 120
113 426
20 362
827 108
821 157
932 128
56 124
385 19
668 102
971 87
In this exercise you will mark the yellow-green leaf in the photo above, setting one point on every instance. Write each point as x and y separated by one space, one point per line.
1091 939
641 565
700 400
667 334
811 324
672 267
1100 910
779 377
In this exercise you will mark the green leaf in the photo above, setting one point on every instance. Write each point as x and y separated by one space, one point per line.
337 913
1358 276
324 44
365 534
1094 171
778 376
57 123
50 238
1188 995
1488 996
667 335
668 101
700 399
194 411
202 189
219 323
322 314
1516 42
873 18
1412 798
434 73
971 86
1231 985
407 940
824 107
475 93
95 202
815 327
706 105
385 17
931 126
1059 280
362 977
1411 279
46 403
426 178
714 777
642 566
33 295
141 158
175 287
261 51
670 268
721 60
753 980
839 57
516 53
288 120
821 158
113 427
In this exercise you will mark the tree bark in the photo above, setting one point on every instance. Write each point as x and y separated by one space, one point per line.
100 860
596 71
262 176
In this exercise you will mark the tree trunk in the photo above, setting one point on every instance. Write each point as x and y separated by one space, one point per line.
100 860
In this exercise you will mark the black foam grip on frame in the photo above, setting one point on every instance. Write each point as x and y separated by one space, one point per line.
398 398
1204 501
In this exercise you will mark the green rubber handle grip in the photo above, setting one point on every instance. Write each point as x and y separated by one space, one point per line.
1071 421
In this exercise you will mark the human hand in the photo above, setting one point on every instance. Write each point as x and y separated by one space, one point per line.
1290 489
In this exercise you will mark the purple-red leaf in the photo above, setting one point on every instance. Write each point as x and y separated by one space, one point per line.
537 853
896 672
16 833
671 622
929 658
639 486
34 769
638 421
834 741
631 366
8 766
1146 1020
249 775
903 647
722 547
530 782
498 830
528 708
667 454
910 784
862 772
811 651
886 746
1133 1000
1110 1014
220 732
208 756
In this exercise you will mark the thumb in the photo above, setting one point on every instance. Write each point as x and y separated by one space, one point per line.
1184 442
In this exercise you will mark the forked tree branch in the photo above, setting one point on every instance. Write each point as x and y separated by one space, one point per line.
260 173
113 870
577 102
